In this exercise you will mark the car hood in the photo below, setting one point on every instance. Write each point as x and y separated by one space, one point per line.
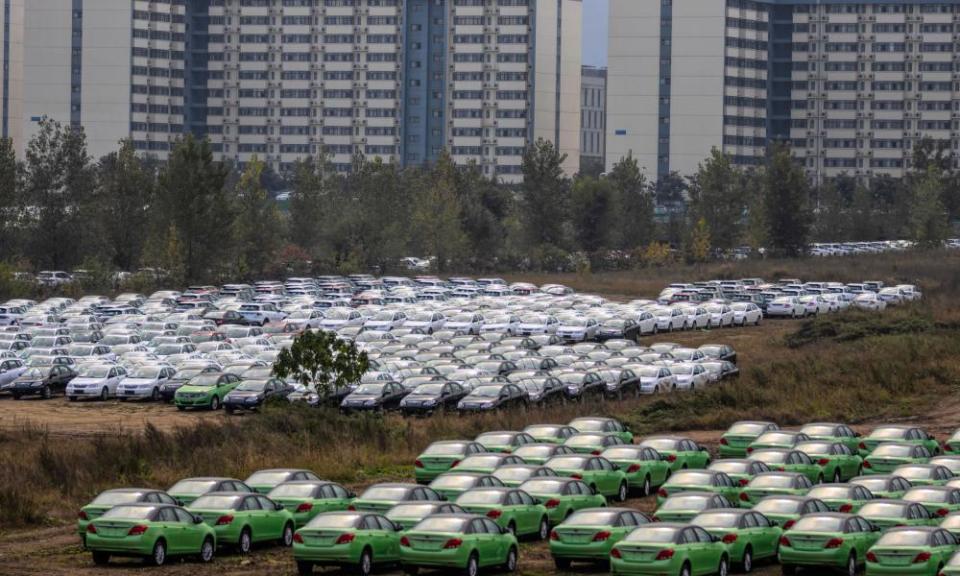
83 381
244 394
201 389
360 398
138 381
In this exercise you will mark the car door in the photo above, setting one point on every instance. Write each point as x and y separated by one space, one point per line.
497 544
256 518
174 531
767 537
273 521
193 534
376 536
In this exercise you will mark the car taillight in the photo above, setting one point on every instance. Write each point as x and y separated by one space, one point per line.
91 529
784 541
305 507
662 493
452 543
224 520
921 557
418 463
871 557
744 497
554 536
615 553
942 512
507 451
297 538
823 461
551 503
729 538
405 542
137 530
845 508
789 524
455 463
665 554
744 481
595 453
345 538
863 445
671 457
633 468
82 515
494 514
351 508
750 449
724 442
601 536
867 464
577 476
833 543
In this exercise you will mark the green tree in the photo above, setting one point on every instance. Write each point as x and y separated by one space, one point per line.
321 361
635 222
594 212
716 196
786 203
928 216
258 230
191 197
121 208
484 209
545 194
755 231
832 214
436 215
314 182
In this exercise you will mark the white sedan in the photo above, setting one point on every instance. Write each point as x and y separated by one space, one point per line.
814 305
869 301
668 319
144 383
789 306
655 379
746 313
96 381
304 319
721 315
690 376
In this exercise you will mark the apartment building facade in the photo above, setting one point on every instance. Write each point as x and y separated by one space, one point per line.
852 86
593 116
11 68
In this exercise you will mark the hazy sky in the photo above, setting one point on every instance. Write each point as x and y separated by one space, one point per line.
595 32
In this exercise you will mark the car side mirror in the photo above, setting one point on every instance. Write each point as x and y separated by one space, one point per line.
714 538
504 530
593 490
615 466
278 506
773 523
351 494
197 520
875 529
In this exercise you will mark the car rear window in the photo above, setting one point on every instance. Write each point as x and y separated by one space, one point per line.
115 498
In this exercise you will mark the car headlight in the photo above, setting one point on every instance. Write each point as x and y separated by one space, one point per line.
163 387
487 405
370 403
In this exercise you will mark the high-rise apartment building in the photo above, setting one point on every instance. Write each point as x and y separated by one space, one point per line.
851 85
399 80
11 68
593 116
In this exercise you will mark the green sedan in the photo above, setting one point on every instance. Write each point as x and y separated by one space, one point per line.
920 550
786 510
189 489
453 484
487 462
905 434
110 498
510 508
734 442
440 457
603 425
887 457
682 453
837 462
463 542
356 541
740 470
407 516
789 460
884 485
264 481
846 498
592 442
205 391
517 474
828 541
589 535
833 432
541 452
382 497
682 549
782 439
307 498
938 500
892 513
601 475
504 441
699 481
241 519
951 461
748 534
774 484
646 469
925 474
154 532
562 496
952 567
684 506
550 433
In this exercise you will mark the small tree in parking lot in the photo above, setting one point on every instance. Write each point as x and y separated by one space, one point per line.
321 361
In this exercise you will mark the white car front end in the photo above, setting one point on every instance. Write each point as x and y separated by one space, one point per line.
649 384
138 388
81 387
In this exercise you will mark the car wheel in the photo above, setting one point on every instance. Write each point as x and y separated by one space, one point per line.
623 492
155 395
246 542
724 568
287 538
104 394
365 567
159 556
561 563
646 486
207 551
852 564
544 531
215 402
473 565
685 571
747 564
46 393
512 561
304 568
101 558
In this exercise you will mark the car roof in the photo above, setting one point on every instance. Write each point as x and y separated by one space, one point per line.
210 478
839 515
234 494
292 470
396 485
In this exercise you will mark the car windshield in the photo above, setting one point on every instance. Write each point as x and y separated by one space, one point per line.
487 392
657 534
777 506
926 495
338 314
385 316
442 525
93 371
883 510
888 433
215 502
395 493
428 389
592 518
481 497
685 502
205 380
80 350
893 450
543 486
648 371
464 318
130 512
454 481
445 449
904 538
335 521
819 430
661 444
772 481
146 372
293 491
113 498
819 524
193 486
747 429
33 374
717 520
533 319
370 389
269 477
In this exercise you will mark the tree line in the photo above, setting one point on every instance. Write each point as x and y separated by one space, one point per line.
199 219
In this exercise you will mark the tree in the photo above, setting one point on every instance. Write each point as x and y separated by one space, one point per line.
436 215
594 212
258 230
832 218
484 209
635 222
544 194
716 196
321 361
698 249
191 197
786 204
314 181
121 206
928 217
